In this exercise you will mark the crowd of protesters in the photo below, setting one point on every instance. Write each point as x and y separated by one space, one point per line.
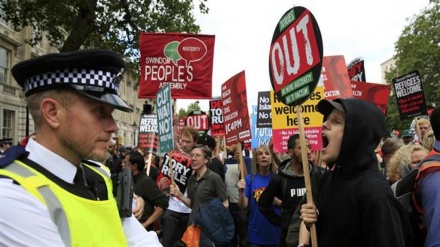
268 195
353 200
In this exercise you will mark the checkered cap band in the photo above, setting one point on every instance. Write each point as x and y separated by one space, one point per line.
82 79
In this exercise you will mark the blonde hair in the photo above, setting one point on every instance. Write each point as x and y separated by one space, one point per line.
424 120
428 140
256 167
400 159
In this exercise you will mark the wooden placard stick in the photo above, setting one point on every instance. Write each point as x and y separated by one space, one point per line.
241 163
306 170
170 165
150 156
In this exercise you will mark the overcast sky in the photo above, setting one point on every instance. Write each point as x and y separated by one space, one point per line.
243 31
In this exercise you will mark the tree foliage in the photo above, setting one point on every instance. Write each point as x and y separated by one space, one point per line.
109 24
191 107
418 48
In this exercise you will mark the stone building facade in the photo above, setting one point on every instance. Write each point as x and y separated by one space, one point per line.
15 122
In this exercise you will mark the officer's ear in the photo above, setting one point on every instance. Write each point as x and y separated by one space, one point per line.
51 111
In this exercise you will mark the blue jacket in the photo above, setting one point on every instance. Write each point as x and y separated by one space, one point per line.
216 221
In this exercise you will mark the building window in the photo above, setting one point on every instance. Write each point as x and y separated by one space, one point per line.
4 65
8 122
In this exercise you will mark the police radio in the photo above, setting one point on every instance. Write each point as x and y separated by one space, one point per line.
124 192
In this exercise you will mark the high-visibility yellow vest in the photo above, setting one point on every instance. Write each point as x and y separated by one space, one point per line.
80 221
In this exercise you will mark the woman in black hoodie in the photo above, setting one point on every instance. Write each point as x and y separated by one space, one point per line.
355 205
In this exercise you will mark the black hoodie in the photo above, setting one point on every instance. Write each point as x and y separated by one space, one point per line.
290 189
356 204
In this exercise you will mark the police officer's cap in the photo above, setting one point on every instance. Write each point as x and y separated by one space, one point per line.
94 73
6 141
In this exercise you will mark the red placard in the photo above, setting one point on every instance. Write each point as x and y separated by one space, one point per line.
199 120
295 56
184 61
235 110
335 76
377 94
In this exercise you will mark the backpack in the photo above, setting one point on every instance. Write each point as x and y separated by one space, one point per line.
405 195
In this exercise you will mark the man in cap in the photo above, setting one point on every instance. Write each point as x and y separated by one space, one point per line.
51 192
354 203
215 164
407 137
5 143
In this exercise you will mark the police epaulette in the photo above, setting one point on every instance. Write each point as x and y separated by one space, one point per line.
91 163
10 155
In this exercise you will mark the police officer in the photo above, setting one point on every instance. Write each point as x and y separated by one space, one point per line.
50 195
5 143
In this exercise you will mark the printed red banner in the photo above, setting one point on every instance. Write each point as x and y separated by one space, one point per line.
335 77
235 110
184 61
377 94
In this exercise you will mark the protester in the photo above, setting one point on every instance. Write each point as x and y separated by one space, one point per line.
220 151
175 219
424 126
260 231
398 165
215 164
288 185
68 203
418 153
232 176
112 160
407 137
388 148
155 201
203 186
277 158
402 163
427 189
112 149
355 205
